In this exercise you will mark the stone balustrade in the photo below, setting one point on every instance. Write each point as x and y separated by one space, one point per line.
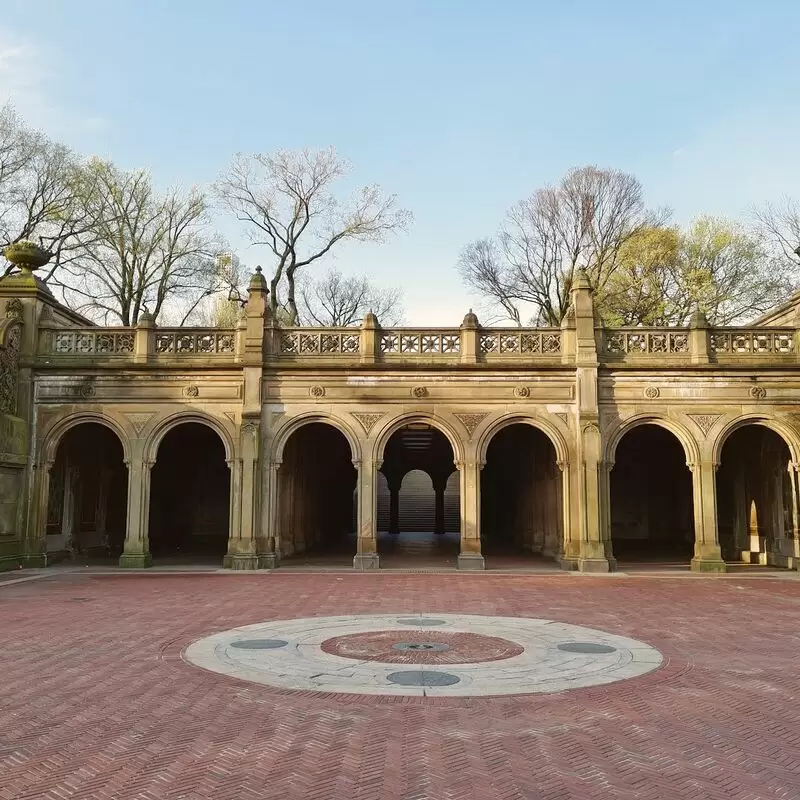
419 345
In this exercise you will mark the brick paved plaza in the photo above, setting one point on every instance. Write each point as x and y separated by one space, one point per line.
96 701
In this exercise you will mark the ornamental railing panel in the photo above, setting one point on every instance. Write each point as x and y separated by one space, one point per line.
633 341
319 341
519 341
91 341
194 341
758 341
405 341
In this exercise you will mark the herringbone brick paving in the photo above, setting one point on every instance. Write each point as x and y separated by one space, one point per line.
95 701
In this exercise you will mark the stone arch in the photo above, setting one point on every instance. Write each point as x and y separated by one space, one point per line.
293 424
166 424
690 446
55 433
545 426
396 423
736 423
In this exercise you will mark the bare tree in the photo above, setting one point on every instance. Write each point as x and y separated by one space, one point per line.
779 223
143 250
334 300
287 201
38 191
580 224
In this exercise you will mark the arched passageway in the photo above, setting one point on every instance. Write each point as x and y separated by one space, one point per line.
521 496
652 510
756 505
316 496
190 496
87 504
419 515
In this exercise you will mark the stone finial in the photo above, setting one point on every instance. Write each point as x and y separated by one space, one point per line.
581 280
257 282
470 320
699 319
370 320
146 320
568 320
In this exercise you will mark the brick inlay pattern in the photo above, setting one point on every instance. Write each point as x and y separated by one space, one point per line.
96 704
463 648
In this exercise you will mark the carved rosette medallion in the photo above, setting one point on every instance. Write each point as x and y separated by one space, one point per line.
419 392
191 391
317 391
757 392
522 391
471 421
87 390
652 392
366 420
704 421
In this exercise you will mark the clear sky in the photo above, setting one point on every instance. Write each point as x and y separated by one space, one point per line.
461 107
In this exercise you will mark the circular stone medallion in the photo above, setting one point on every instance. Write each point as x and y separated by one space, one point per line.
482 656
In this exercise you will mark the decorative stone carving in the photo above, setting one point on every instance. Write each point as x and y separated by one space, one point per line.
138 421
758 392
249 429
563 417
522 391
9 368
15 309
231 416
87 390
471 421
419 391
704 421
366 420
652 392
191 391
317 391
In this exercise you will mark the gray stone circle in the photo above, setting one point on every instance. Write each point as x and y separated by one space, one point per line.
418 677
427 647
260 644
421 621
585 647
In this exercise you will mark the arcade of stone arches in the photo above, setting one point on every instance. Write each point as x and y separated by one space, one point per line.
415 492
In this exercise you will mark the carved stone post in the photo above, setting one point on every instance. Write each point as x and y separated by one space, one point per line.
793 548
370 335
242 552
470 338
585 549
142 339
136 553
707 555
269 543
698 338
366 556
470 556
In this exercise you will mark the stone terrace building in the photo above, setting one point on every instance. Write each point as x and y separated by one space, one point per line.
260 444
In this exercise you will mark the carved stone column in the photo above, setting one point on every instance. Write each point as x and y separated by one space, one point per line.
793 544
438 508
470 556
707 555
242 552
269 540
36 544
586 548
136 553
366 556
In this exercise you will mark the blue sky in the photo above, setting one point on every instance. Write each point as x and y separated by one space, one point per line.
461 108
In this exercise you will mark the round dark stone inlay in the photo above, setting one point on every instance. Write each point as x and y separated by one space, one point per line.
422 621
430 647
260 644
418 677
586 647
